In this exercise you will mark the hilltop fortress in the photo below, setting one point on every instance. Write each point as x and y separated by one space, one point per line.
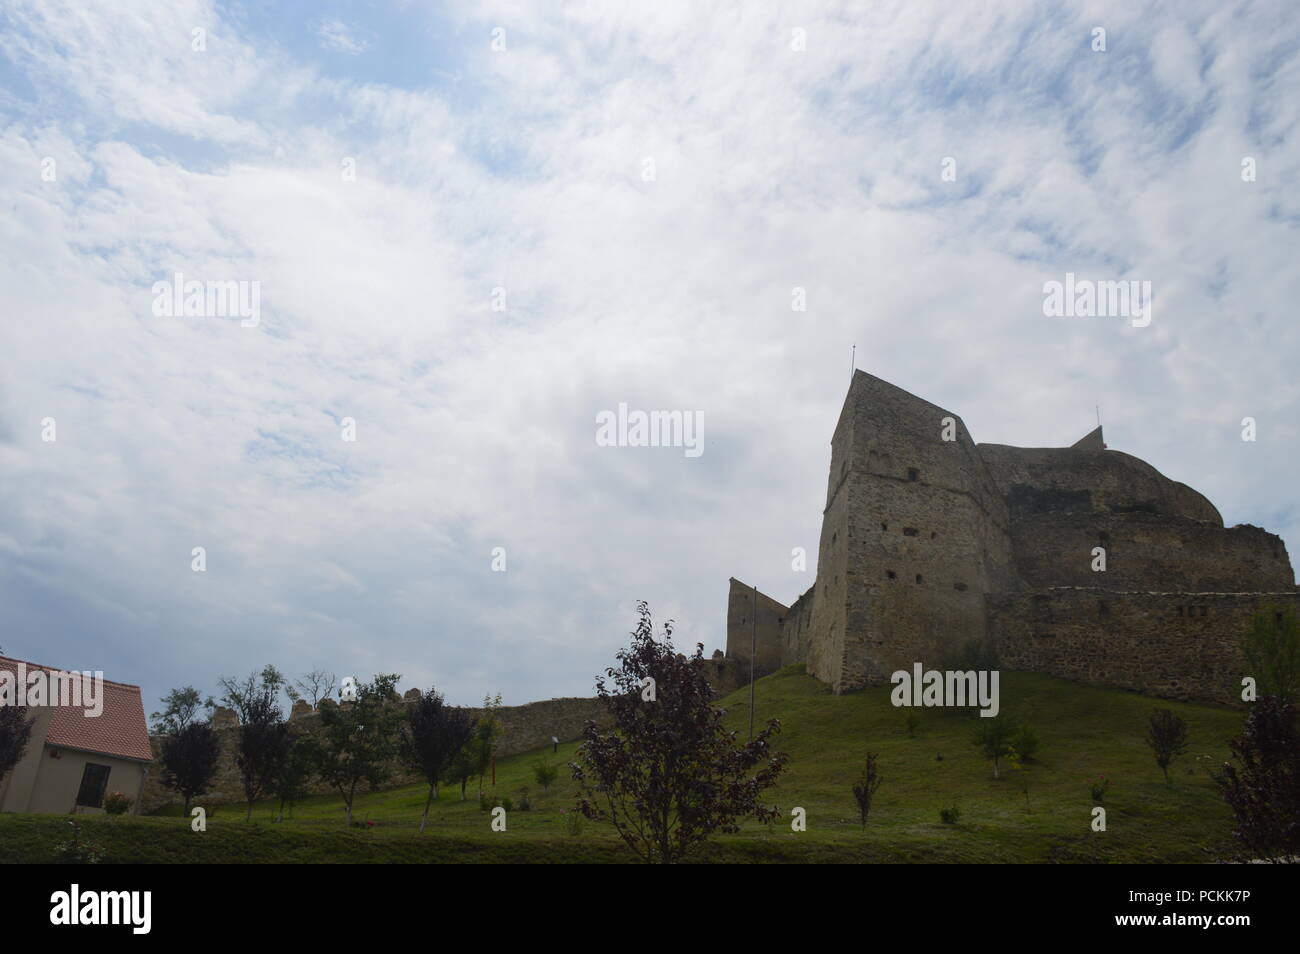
931 542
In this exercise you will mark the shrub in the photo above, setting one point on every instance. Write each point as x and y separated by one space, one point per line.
545 773
572 821
77 850
525 803
1167 736
950 815
864 789
507 803
910 722
1025 742
116 804
1099 786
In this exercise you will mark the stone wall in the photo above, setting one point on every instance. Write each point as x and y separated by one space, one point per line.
1146 552
1176 645
525 728
743 603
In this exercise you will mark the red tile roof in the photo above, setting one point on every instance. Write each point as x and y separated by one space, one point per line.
119 730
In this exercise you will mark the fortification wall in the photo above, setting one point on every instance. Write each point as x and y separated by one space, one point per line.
524 728
1039 479
1148 552
743 607
1176 645
796 631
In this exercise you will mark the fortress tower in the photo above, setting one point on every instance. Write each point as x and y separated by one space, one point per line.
930 542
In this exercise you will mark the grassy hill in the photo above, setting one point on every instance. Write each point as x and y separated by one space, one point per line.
1084 731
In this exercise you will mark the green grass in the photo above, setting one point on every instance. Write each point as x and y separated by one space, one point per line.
1083 731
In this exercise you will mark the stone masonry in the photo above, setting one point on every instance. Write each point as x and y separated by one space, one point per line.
930 541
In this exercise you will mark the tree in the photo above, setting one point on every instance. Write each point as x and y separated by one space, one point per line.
464 762
263 739
1272 651
546 773
668 774
864 789
487 730
292 779
1167 736
1263 789
993 737
15 733
189 757
431 736
180 709
357 741
315 685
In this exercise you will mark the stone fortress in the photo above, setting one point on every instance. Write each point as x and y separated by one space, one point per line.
930 542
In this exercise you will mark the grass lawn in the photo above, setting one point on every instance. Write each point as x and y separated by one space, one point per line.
1083 731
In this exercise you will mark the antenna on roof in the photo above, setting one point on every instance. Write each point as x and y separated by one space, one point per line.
853 362
1098 407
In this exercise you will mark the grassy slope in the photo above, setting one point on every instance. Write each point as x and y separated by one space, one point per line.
1083 731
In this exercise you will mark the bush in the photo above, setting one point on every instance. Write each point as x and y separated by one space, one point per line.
77 850
488 802
1025 742
508 804
910 722
572 821
1099 786
525 803
545 773
117 804
950 815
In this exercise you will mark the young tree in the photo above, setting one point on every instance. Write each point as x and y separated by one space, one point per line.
864 789
1272 651
546 773
292 779
15 733
993 737
464 762
487 731
315 685
180 709
431 736
1167 736
263 739
1263 789
669 774
357 741
189 757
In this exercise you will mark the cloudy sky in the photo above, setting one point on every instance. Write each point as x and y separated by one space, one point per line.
474 227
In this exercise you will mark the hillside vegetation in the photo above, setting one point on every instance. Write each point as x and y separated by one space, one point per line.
1083 731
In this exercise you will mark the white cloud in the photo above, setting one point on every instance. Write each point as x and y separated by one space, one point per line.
475 428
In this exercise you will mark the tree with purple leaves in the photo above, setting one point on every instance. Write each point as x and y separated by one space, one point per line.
665 771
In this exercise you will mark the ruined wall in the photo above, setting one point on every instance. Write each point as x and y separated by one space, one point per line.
742 605
796 631
1177 645
1148 552
1078 479
525 728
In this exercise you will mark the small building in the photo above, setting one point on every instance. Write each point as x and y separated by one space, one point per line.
75 756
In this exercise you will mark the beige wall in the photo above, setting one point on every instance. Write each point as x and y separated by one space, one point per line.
43 783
